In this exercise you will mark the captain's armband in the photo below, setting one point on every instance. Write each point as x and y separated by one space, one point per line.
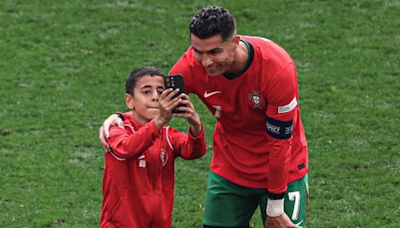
279 129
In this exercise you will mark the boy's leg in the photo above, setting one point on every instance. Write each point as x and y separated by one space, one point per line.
228 204
296 199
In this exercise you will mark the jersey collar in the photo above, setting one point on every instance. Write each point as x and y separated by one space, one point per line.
250 51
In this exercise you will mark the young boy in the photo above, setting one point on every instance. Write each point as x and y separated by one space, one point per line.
138 183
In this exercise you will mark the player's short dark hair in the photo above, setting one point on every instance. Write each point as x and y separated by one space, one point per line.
136 74
211 21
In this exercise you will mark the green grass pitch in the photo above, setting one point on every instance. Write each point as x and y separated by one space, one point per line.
63 65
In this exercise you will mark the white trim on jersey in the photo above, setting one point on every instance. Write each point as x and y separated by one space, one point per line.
116 156
289 107
167 135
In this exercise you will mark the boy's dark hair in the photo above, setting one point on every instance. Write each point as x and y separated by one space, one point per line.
211 21
138 73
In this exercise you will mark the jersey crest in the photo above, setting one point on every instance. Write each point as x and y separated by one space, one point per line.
256 100
163 157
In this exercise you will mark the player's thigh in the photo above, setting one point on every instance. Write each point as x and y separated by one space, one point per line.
296 198
227 204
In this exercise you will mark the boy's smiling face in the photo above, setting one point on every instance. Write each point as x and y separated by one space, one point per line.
145 98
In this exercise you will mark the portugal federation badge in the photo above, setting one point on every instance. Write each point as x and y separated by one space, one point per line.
256 100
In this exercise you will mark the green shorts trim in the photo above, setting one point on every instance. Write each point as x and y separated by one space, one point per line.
230 205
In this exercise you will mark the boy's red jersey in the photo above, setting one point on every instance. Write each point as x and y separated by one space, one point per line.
255 111
138 182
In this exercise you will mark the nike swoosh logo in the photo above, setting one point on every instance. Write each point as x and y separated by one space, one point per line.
206 94
298 224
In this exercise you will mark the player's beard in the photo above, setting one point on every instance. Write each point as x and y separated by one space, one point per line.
214 71
217 69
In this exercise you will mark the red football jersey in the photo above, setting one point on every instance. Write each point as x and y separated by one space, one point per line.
138 182
259 139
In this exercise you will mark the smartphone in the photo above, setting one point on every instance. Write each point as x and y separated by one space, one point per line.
175 82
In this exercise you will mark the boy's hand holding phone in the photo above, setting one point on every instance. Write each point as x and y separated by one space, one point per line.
183 105
167 102
175 82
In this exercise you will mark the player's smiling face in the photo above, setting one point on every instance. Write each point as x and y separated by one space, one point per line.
214 54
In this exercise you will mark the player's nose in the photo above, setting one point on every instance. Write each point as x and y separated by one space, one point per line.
206 61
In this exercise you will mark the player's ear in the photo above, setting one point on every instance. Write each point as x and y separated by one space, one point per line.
130 103
236 40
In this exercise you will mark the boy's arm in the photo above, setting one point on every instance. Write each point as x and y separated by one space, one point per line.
128 143
192 145
188 146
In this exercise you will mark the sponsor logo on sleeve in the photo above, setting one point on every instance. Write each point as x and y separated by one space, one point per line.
289 107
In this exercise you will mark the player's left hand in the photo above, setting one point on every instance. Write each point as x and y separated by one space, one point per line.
281 221
104 130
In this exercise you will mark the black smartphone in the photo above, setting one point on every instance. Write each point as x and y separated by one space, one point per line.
175 82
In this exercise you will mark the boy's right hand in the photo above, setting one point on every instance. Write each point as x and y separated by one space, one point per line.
167 102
